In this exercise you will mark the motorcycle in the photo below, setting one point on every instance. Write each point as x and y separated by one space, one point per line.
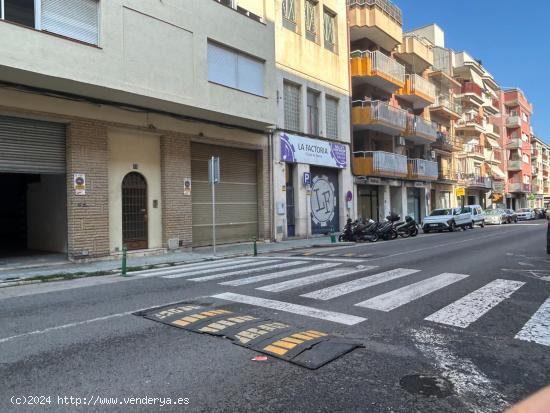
409 228
385 229
367 231
347 234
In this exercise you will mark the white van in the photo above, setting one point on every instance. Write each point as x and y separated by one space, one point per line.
478 216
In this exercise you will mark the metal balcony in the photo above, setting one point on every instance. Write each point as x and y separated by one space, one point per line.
378 116
420 131
513 122
519 187
470 92
377 69
421 169
514 143
514 165
447 175
417 90
378 163
476 181
446 107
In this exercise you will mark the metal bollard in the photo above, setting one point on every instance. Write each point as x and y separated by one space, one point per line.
332 236
124 253
255 247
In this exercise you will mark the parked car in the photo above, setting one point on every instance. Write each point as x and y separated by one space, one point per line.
478 216
547 212
511 215
525 213
548 238
496 216
447 219
539 213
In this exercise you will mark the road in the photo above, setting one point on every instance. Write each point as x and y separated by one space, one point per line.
467 312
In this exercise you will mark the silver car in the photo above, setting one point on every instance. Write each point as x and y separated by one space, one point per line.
525 213
495 216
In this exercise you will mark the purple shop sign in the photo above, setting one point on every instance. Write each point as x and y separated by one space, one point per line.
298 149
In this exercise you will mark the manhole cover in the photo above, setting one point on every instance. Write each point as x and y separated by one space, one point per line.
427 385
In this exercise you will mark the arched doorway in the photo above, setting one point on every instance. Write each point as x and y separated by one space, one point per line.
134 211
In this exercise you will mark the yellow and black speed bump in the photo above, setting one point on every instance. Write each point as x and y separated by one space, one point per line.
307 348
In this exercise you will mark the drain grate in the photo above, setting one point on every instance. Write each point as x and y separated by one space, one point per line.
429 386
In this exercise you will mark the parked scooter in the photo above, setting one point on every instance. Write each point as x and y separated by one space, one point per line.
385 229
367 231
347 234
409 228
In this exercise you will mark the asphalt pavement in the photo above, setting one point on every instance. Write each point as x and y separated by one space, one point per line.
449 322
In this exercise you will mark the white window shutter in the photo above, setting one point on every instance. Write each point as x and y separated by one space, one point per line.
250 75
222 66
77 19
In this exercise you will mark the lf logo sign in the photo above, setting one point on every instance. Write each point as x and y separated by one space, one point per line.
323 201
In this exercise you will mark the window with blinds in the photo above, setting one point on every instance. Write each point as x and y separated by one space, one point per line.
329 26
331 109
237 70
291 97
77 19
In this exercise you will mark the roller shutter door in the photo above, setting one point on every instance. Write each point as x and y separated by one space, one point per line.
31 146
236 195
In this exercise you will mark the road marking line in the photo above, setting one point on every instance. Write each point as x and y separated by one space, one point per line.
271 276
176 268
471 307
250 271
537 329
359 284
312 279
404 295
335 317
315 259
218 268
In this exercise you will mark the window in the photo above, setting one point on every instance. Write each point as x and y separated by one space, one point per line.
237 70
329 26
332 117
292 102
19 11
311 20
289 14
312 112
76 19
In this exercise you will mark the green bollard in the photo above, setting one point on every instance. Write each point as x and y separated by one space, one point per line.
123 269
255 247
332 236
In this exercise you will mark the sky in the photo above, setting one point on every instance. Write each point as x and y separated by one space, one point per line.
510 37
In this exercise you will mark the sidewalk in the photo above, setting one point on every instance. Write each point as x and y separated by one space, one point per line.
179 257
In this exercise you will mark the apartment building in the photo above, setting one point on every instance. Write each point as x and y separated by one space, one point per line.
540 165
392 162
517 136
109 112
313 187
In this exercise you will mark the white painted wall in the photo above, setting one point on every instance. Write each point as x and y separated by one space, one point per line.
47 214
125 150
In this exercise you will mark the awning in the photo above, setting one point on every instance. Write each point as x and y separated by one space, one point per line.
493 142
498 172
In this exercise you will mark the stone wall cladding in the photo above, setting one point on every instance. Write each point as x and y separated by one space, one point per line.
88 215
175 155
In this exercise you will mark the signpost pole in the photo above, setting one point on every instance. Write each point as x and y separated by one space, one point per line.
212 177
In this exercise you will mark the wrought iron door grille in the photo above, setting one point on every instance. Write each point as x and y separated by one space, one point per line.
134 208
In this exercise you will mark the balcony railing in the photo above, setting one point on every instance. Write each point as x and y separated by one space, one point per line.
470 87
366 112
417 126
480 181
515 165
378 163
545 173
514 186
496 104
547 189
514 143
447 174
448 103
422 169
493 129
474 150
376 63
445 141
513 121
386 6
416 84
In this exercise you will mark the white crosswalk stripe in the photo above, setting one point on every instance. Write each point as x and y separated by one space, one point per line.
312 279
277 266
217 268
359 284
177 268
335 317
471 307
537 329
404 295
287 273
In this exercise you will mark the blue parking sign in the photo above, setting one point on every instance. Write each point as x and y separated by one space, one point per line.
307 179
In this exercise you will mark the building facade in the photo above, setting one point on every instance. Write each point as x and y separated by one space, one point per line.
110 111
313 187
540 191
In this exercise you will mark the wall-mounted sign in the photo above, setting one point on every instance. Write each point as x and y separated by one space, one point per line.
498 186
375 181
187 186
460 191
297 149
419 184
79 184
307 179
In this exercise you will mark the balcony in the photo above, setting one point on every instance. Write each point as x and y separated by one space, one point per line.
519 187
446 107
547 189
416 52
514 165
447 175
378 116
420 131
476 181
419 91
377 69
545 173
492 131
470 125
378 20
544 157
534 171
513 122
420 169
470 92
444 142
514 143
377 163
493 156
475 151
491 106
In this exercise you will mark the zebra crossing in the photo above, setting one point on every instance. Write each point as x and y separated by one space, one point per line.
295 274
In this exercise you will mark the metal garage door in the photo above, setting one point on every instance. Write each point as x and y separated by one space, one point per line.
31 146
236 195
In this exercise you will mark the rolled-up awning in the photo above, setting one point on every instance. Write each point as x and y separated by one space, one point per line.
498 172
493 142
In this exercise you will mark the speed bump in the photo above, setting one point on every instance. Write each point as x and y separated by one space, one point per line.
307 348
